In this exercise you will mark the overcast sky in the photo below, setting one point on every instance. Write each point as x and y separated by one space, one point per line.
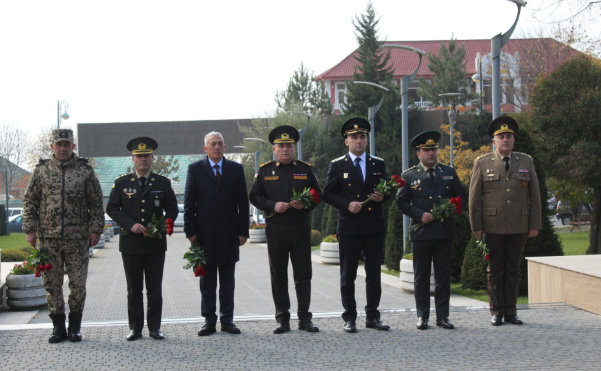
125 61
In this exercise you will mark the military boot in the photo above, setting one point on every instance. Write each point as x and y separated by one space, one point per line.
60 332
74 326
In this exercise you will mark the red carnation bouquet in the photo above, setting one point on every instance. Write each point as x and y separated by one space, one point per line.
305 197
157 227
485 250
36 263
446 208
386 187
197 259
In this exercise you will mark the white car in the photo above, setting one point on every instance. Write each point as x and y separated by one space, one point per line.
179 221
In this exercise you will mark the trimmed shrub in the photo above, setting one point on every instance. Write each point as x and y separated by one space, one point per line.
332 221
316 237
317 215
14 255
2 220
324 219
473 272
463 237
394 239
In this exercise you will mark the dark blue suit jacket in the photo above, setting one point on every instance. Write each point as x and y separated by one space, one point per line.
420 196
216 212
344 186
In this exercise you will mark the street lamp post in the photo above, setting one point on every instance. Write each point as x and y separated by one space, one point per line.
257 154
301 132
405 82
452 115
65 115
371 116
479 78
5 160
497 44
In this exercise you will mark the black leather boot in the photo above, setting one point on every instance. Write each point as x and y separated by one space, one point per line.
60 332
74 326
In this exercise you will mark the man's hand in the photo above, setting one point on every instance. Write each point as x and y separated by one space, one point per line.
355 207
532 233
281 207
478 235
138 228
377 196
242 240
31 237
193 239
297 205
427 218
94 238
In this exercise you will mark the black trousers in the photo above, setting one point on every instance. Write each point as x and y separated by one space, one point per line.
208 290
294 241
503 271
137 268
424 252
350 248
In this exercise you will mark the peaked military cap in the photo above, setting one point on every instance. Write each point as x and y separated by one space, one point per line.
284 134
142 145
503 124
355 125
62 134
427 139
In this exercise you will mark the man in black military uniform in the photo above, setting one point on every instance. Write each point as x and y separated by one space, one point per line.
288 231
351 180
426 185
135 198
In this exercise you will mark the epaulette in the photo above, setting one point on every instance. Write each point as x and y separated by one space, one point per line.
42 160
376 157
339 158
484 155
411 168
268 162
306 163
449 166
124 175
524 154
83 159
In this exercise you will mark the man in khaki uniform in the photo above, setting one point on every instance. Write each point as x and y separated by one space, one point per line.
504 204
62 206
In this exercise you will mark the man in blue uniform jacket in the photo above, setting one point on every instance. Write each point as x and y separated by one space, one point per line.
134 199
351 180
426 185
216 216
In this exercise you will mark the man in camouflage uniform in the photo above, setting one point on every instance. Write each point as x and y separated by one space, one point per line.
62 207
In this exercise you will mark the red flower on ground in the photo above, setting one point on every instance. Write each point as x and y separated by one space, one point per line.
486 256
199 271
315 195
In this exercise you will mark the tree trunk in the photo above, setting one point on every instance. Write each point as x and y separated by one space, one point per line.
595 234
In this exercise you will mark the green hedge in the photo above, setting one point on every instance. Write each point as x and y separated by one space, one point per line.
14 255
394 239
317 215
473 272
316 237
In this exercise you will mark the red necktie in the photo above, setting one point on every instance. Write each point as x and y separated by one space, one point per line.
217 175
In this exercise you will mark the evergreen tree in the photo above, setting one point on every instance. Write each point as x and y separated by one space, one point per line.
394 239
332 221
547 242
324 220
303 89
317 215
448 74
473 271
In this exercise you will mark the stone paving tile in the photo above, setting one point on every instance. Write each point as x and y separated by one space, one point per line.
551 339
107 290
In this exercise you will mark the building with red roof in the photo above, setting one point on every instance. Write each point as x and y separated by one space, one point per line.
522 60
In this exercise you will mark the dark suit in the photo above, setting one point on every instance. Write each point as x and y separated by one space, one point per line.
288 234
142 257
217 212
362 231
433 241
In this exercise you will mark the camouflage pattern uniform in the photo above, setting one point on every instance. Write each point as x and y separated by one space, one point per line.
63 205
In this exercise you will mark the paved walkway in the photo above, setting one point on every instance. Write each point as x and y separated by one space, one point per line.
554 336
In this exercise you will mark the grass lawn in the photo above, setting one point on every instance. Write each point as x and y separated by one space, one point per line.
574 243
316 247
478 295
392 272
15 240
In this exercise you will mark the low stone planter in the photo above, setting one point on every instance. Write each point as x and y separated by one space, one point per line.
408 277
91 252
25 292
101 243
330 253
111 231
256 235
107 236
